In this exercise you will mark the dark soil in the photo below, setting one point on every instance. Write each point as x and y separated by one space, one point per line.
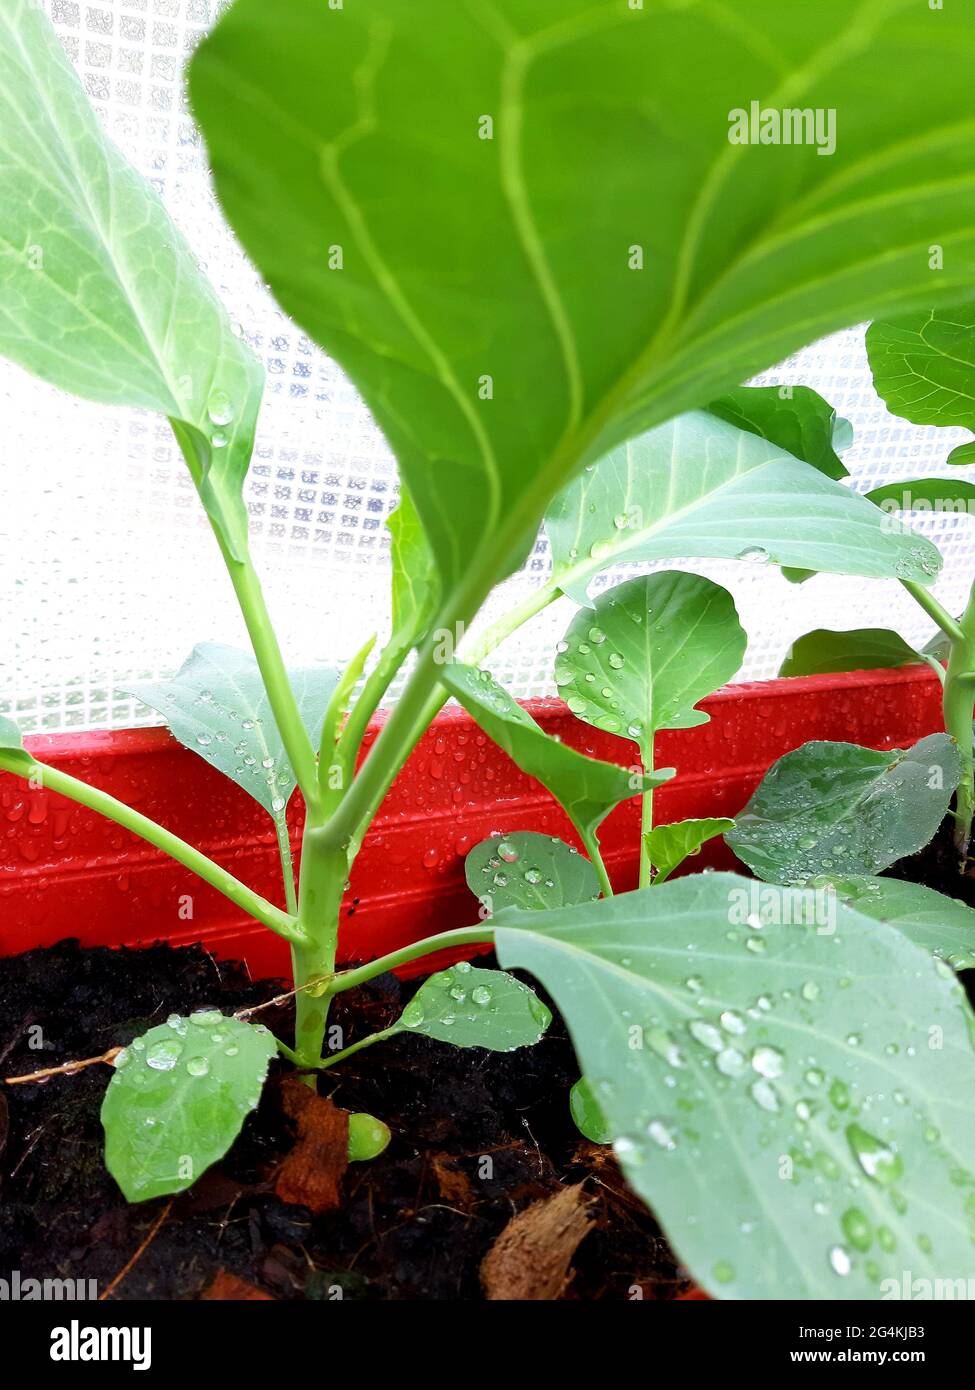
936 866
415 1223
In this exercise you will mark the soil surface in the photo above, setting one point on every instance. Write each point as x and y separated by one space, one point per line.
486 1189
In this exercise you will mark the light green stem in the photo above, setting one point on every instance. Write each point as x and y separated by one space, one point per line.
238 893
595 854
267 653
322 879
355 1047
417 707
646 825
959 701
923 596
443 941
287 863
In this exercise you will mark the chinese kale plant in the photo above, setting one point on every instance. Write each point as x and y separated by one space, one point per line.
923 367
520 227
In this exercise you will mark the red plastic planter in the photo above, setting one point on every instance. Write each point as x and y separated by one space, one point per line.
65 871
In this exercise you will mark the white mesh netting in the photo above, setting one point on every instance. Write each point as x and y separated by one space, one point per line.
107 568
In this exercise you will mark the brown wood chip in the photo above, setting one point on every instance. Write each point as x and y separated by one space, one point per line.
229 1288
312 1173
531 1258
453 1183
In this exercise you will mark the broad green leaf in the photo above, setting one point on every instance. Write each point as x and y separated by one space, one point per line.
476 1008
529 870
782 1110
829 806
861 649
415 585
217 706
669 845
646 652
698 486
796 418
963 455
586 789
587 1114
945 926
178 1098
523 230
923 365
102 296
926 494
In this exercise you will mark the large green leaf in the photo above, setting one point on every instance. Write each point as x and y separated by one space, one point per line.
942 925
523 230
923 365
829 806
796 418
475 1008
860 649
669 845
647 651
101 294
699 486
790 1099
217 706
586 789
178 1098
529 870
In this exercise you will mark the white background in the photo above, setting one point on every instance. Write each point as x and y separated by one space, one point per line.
107 569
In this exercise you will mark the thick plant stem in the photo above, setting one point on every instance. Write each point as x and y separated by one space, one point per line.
324 869
238 893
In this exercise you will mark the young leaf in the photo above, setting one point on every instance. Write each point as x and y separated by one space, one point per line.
101 294
586 789
178 1098
12 743
646 652
529 870
923 365
429 233
476 1008
587 1114
817 1141
698 486
940 924
669 845
933 494
415 585
861 649
963 455
837 806
801 423
217 706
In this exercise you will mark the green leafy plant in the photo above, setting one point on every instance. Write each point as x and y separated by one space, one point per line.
420 215
923 367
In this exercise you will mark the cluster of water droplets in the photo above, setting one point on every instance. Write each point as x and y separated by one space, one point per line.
838 1138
